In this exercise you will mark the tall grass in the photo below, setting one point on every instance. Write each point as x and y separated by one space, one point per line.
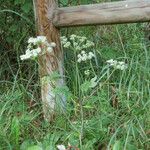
113 115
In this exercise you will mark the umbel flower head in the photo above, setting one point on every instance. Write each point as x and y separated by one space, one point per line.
83 56
81 45
37 46
120 65
77 42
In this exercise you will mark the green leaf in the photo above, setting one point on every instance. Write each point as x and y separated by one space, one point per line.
88 107
15 130
93 82
131 147
85 86
26 144
117 145
64 2
13 28
16 2
35 147
26 7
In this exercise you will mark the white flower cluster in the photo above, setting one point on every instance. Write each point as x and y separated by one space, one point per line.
77 42
117 64
37 46
83 56
87 72
61 147
31 53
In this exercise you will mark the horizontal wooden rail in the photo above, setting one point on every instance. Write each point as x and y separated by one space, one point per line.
105 13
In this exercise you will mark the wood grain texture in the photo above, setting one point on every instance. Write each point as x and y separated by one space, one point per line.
105 13
49 62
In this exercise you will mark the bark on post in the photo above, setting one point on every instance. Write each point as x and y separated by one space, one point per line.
48 63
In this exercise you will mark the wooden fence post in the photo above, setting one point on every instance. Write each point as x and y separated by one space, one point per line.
50 62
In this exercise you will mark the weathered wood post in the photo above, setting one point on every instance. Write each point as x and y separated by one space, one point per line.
50 62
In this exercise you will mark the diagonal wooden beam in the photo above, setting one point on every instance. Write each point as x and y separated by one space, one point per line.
105 13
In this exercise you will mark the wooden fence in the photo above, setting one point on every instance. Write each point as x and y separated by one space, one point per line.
50 19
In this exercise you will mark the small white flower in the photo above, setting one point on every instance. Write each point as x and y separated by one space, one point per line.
64 41
23 57
121 63
89 44
73 36
41 39
123 67
78 48
29 46
61 147
38 50
82 39
87 72
91 54
84 57
28 51
114 63
110 61
75 44
79 60
62 37
84 46
90 57
26 56
83 52
34 54
117 66
79 56
31 40
67 45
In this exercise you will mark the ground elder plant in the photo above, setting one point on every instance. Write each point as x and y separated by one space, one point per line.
82 49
